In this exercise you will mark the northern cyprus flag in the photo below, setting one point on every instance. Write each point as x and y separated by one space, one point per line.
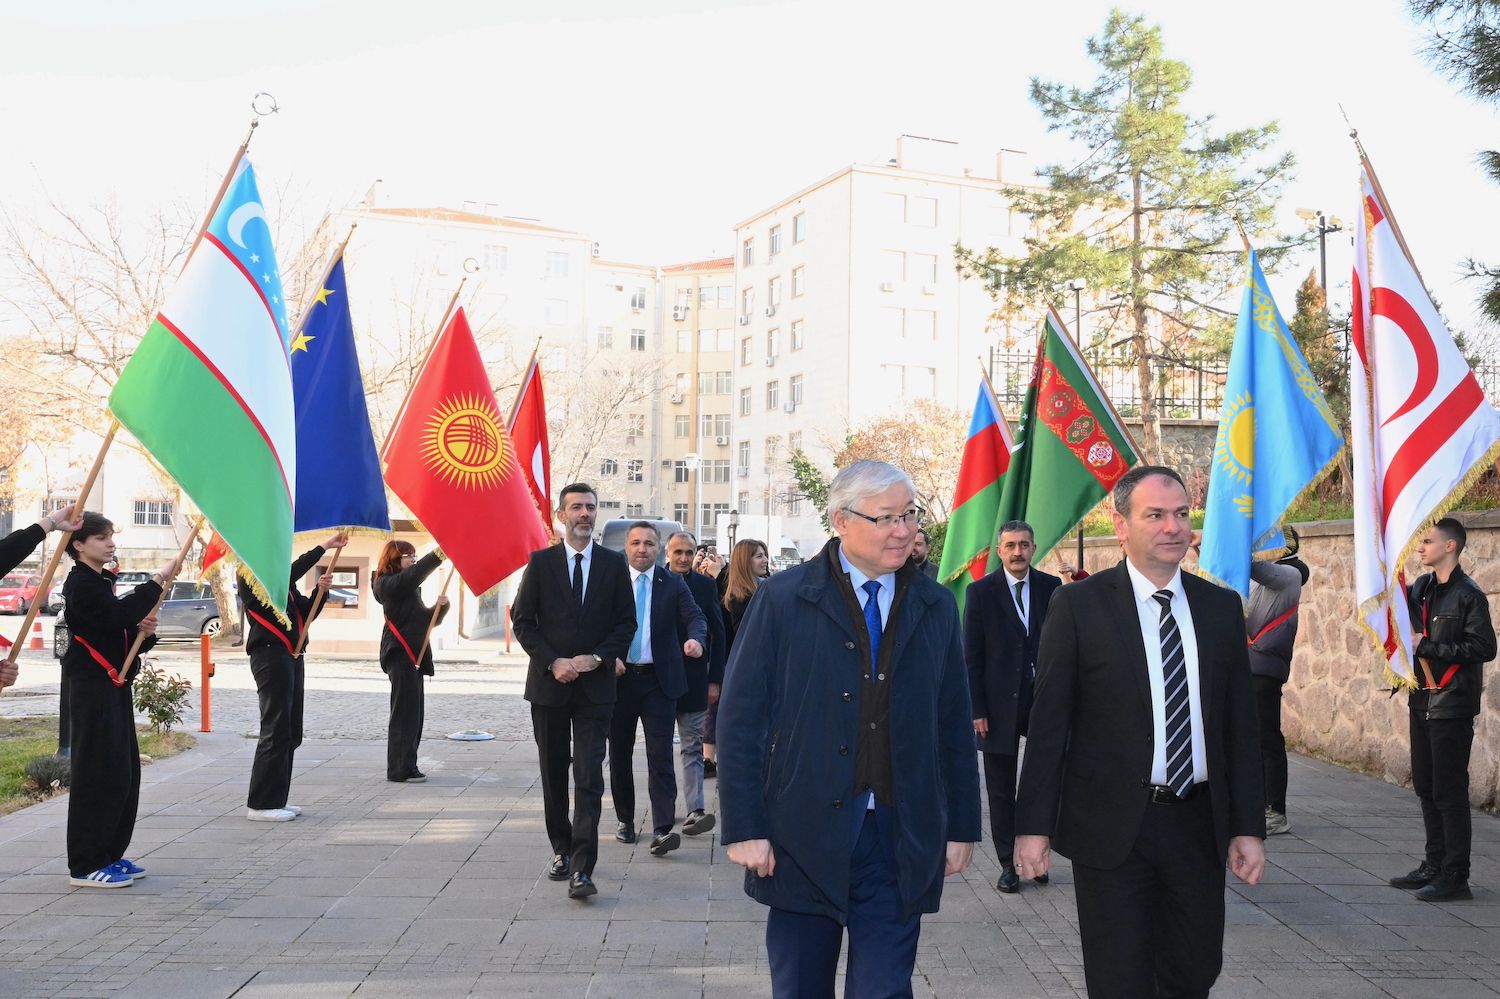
1420 428
208 392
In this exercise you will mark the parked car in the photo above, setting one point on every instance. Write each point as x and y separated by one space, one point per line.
54 603
189 611
17 591
129 580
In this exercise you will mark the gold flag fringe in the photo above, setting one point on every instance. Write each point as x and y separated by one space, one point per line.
258 588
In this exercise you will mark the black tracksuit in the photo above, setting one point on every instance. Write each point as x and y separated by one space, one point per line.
106 783
406 621
279 682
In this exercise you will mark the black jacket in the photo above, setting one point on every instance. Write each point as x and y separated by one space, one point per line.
104 623
17 545
264 631
406 616
675 618
1456 637
550 625
1001 654
710 668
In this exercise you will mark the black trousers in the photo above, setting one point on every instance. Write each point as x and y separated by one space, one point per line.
1272 742
586 726
1000 788
408 710
639 698
1440 776
106 784
280 682
1154 926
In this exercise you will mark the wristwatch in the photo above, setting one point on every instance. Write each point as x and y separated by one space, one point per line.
598 660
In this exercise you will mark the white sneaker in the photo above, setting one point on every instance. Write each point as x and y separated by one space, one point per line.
270 814
294 809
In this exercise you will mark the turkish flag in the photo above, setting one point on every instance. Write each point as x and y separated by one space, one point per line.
451 461
528 429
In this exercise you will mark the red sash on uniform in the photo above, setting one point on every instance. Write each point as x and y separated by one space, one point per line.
1283 619
114 674
409 654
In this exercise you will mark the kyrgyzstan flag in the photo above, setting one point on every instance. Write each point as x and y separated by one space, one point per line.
451 461
528 429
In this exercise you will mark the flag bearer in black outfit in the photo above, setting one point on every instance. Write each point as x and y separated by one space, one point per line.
279 680
398 588
106 782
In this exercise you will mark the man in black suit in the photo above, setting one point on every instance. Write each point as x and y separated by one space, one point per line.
1003 614
574 616
1142 759
668 626
705 677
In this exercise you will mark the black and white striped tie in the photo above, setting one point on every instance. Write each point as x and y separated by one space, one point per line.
1179 718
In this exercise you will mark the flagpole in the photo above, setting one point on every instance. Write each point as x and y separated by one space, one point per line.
436 606
426 356
213 206
62 542
1063 329
515 408
317 602
1385 205
307 299
166 586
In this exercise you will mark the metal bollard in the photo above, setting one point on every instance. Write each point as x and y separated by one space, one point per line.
507 629
207 672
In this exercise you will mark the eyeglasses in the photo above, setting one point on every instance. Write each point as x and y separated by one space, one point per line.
911 518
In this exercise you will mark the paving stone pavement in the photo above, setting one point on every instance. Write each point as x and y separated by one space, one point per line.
437 889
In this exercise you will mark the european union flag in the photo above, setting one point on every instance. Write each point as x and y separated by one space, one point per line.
1277 438
338 473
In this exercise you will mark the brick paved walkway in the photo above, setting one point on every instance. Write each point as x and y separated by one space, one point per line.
437 889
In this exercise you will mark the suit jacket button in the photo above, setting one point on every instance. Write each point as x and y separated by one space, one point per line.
837 803
848 696
849 645
843 750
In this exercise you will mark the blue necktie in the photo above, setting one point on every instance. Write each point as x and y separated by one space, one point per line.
872 625
641 583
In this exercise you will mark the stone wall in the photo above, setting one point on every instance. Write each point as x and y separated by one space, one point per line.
1336 706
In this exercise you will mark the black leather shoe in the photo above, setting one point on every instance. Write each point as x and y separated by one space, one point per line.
1419 878
581 885
710 768
665 844
1446 888
1042 879
1009 882
558 869
698 822
625 832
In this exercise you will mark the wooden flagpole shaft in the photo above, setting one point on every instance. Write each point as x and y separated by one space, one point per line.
312 293
166 586
62 542
515 408
213 206
317 604
1390 216
437 606
426 356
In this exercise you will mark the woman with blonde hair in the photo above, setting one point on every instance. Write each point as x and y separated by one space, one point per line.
399 575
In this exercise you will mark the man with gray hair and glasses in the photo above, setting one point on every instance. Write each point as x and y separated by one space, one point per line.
849 787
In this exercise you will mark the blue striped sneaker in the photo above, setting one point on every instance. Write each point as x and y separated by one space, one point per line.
134 870
105 877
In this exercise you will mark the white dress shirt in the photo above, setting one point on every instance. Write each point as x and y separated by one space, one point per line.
588 560
643 615
1150 621
1025 595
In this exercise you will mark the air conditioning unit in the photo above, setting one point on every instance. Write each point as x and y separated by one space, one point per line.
679 313
594 249
721 440
789 407
770 362
675 398
743 471
666 463
770 311
887 286
744 320
929 289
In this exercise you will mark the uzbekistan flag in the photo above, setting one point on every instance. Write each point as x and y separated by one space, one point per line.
969 546
208 392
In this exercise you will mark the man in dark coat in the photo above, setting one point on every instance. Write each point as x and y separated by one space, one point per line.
669 628
1003 614
705 677
1142 759
574 616
849 787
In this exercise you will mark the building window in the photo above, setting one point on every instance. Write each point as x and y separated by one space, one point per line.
609 504
724 340
705 383
794 441
747 302
557 263
773 395
726 296
152 513
924 267
638 340
635 510
609 467
680 512
921 324
892 266
745 401
707 340
921 211
796 334
635 427
747 351
893 208
681 383
794 505
743 503
684 299
606 337
555 312
638 298
633 470
705 425
717 470
682 426
495 259
723 382
714 424
775 240
795 386
742 454
681 472
748 257
706 297
773 342
891 324
799 227
50 503
684 341
799 284
773 292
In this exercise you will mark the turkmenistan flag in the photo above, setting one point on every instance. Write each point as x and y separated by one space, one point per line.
969 545
1071 448
208 392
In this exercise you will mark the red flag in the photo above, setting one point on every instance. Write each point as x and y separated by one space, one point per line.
216 549
451 461
528 429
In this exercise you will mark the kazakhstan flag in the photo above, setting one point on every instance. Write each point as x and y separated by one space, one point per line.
1277 438
338 473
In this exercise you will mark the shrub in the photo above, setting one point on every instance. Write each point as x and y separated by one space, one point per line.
49 773
161 696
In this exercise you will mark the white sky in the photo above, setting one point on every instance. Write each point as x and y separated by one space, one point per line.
656 132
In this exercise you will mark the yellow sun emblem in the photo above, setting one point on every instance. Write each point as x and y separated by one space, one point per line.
1234 450
464 444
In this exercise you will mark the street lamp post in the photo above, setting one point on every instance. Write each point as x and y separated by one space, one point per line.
694 463
1076 286
734 526
1324 225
